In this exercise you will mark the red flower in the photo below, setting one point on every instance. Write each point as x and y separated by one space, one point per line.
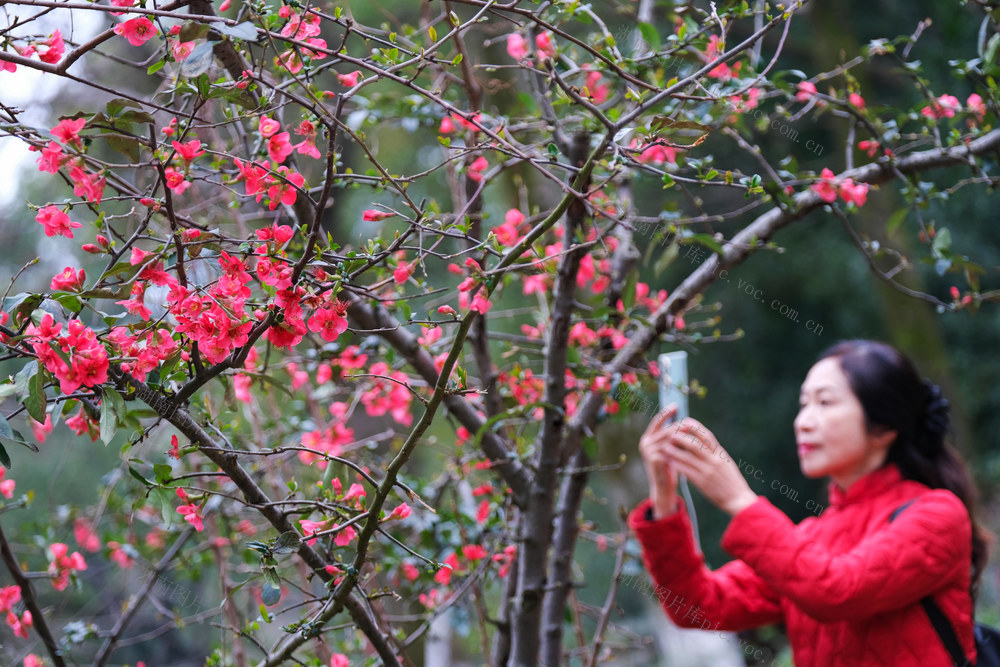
825 188
188 151
856 100
51 158
56 222
279 147
268 126
349 80
807 90
329 322
176 181
68 281
68 131
477 168
56 49
371 215
137 31
192 515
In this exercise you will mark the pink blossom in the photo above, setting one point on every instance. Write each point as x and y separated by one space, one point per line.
517 47
476 169
976 106
87 185
856 100
51 158
508 234
483 512
403 272
279 147
188 151
400 512
944 107
480 304
349 80
869 146
137 31
285 191
176 181
410 571
56 48
181 50
856 193
7 66
339 660
825 188
62 565
56 222
344 537
474 552
7 491
447 310
372 215
68 281
268 126
807 90
329 322
192 515
310 528
68 131
598 92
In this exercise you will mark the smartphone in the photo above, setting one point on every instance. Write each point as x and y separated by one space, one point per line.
673 382
674 389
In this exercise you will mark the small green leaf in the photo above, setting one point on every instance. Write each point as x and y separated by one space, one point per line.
156 67
668 181
5 429
198 62
246 31
287 543
895 220
650 35
135 473
119 104
432 33
270 593
4 458
112 412
35 402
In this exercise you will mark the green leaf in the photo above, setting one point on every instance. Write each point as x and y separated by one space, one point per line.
156 67
163 472
21 305
287 543
136 117
135 473
119 104
707 240
5 430
112 412
271 592
35 401
668 181
198 62
4 458
665 125
127 146
895 220
193 30
245 31
942 242
650 35
23 377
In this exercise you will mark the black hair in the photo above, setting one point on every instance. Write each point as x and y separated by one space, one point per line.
894 397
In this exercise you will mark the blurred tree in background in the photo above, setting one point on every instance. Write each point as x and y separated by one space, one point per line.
362 300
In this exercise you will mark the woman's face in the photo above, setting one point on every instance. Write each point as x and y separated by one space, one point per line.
830 428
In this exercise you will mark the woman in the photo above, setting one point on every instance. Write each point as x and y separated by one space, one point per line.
847 584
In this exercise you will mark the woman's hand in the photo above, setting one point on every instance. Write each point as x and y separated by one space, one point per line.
693 451
655 458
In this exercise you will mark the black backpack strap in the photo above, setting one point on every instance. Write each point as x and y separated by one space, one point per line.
937 618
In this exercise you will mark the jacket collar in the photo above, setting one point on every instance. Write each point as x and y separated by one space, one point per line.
871 485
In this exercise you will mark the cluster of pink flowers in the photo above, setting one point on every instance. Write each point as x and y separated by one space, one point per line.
453 121
517 46
87 360
188 153
510 233
722 71
654 153
388 395
144 351
49 51
10 596
6 485
63 565
85 184
281 188
329 441
830 187
304 30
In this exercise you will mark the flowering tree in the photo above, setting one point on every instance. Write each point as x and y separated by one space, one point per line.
272 281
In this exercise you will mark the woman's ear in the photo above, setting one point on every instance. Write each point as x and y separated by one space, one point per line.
882 437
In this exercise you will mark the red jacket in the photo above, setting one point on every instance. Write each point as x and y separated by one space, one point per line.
847 584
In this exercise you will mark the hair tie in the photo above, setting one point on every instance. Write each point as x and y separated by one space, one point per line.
936 418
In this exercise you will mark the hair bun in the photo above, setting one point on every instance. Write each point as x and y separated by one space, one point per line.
936 412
